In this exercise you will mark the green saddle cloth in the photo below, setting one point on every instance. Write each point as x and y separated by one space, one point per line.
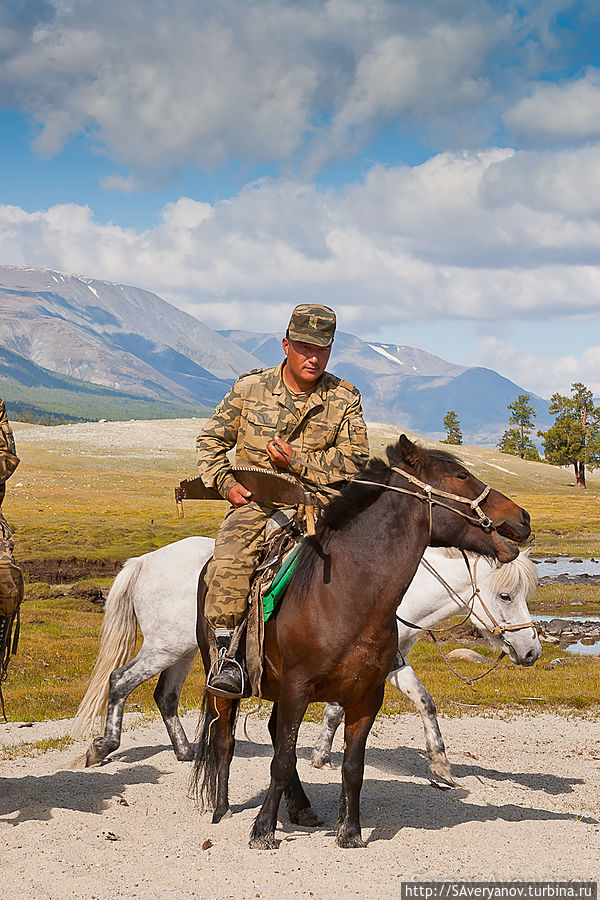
280 583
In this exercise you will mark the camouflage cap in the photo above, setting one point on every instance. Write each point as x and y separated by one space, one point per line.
312 323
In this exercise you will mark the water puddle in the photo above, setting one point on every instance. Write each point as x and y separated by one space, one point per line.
569 618
565 568
578 644
579 648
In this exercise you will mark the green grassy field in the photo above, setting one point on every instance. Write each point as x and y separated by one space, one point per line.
99 501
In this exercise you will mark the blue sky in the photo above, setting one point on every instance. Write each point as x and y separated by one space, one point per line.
431 170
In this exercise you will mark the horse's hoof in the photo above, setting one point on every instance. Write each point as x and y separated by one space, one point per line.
93 758
221 814
264 842
441 769
349 841
320 759
307 818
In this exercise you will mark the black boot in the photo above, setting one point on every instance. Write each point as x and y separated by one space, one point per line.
227 677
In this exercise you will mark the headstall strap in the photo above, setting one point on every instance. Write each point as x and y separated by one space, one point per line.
430 492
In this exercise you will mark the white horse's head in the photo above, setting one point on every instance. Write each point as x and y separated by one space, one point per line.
500 610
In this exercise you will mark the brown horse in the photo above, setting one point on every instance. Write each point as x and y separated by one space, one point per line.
334 637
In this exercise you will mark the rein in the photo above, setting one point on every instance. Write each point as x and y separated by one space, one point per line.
429 493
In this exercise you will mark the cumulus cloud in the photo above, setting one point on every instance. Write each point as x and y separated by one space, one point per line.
463 236
561 114
197 83
542 375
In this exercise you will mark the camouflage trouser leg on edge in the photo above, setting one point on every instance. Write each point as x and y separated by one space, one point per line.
230 570
11 578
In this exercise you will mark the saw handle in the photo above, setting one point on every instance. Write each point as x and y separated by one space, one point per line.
309 512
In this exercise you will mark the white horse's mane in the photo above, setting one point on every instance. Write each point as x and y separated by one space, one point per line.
520 574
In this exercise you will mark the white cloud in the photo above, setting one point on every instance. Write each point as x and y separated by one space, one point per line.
463 236
542 374
194 82
567 113
124 184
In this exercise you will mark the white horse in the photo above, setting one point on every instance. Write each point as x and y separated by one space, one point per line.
158 590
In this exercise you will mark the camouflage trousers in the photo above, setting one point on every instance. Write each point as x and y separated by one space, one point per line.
229 573
11 577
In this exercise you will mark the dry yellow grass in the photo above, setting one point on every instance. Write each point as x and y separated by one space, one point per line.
85 498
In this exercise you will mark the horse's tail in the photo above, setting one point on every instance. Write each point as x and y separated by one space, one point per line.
117 642
209 740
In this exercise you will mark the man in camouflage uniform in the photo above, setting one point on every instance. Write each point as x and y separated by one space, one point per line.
270 416
11 579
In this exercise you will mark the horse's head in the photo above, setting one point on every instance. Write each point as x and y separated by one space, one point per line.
500 608
492 525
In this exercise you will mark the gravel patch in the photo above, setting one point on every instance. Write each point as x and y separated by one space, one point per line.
527 807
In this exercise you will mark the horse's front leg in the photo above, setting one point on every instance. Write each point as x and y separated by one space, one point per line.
359 720
298 805
332 717
407 683
290 710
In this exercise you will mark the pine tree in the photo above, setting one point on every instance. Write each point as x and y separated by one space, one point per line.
452 428
516 440
574 439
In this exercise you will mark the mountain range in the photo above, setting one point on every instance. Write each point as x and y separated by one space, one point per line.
132 354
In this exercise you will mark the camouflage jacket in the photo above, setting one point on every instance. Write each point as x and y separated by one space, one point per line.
8 454
329 432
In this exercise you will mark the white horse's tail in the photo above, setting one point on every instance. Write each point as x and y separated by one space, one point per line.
117 642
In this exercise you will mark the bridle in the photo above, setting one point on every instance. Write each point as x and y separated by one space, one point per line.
430 495
498 629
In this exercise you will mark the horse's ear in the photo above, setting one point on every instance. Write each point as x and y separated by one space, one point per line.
409 451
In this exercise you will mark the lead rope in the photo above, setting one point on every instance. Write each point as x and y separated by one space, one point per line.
467 679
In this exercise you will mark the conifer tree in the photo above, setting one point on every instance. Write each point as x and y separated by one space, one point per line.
516 440
452 428
574 439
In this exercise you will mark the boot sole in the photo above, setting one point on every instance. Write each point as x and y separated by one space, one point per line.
220 692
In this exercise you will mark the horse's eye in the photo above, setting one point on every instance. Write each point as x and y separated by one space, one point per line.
463 476
506 597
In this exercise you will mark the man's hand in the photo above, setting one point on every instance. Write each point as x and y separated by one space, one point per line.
239 495
279 452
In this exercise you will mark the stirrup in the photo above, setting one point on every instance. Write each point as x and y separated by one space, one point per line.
216 670
226 676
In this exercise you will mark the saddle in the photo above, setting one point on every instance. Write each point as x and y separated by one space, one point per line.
283 536
276 565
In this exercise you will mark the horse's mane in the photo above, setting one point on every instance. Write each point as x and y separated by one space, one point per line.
518 575
354 499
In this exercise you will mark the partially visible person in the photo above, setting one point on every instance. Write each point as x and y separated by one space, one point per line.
11 577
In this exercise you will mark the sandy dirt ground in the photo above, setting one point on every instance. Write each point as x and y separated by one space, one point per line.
527 807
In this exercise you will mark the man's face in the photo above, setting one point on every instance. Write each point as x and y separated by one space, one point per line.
306 362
